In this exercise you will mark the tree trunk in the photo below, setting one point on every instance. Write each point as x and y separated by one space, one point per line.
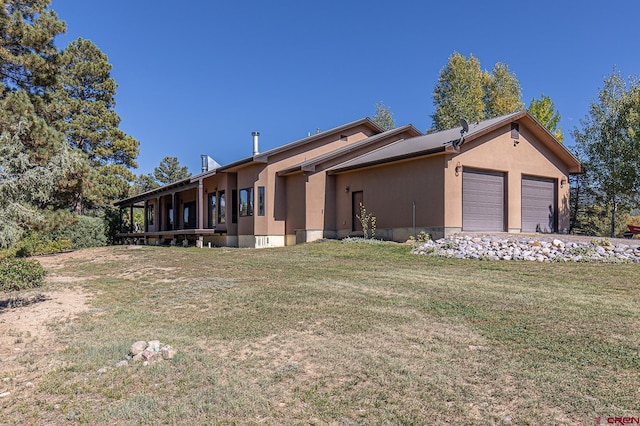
614 208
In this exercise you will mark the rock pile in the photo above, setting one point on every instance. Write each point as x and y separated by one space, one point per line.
527 248
148 352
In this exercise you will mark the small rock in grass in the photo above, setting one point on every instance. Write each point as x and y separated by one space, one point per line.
478 348
3 394
153 345
138 347
102 370
148 355
168 352
123 363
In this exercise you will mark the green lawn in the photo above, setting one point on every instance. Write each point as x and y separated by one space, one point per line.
341 333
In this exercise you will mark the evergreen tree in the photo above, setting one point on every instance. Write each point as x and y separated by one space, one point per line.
609 146
144 183
34 162
84 101
383 116
28 56
545 112
170 171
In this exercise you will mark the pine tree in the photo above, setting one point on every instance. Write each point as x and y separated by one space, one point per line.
85 105
169 170
28 55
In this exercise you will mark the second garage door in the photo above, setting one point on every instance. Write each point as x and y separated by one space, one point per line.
538 204
482 201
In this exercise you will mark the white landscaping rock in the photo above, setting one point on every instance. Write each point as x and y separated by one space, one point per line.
495 248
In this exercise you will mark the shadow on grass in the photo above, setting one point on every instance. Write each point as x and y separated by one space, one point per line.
18 300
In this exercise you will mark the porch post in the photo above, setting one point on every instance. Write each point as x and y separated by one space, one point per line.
157 215
200 205
120 220
176 215
146 222
131 227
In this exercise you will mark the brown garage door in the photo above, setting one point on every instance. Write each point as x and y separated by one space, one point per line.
538 204
482 201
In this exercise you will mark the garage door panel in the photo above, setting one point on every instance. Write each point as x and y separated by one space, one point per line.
482 201
538 204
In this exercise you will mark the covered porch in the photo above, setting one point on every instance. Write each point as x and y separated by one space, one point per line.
175 214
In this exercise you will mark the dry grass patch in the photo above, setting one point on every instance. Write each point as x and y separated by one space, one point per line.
338 333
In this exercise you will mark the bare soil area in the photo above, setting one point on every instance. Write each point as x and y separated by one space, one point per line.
29 322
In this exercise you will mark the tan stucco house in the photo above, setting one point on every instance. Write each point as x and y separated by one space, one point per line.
503 174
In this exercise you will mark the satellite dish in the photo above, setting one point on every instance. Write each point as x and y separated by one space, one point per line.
465 128
465 125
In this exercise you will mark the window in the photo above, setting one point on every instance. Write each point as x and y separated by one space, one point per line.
212 210
189 217
222 208
170 218
150 214
246 202
261 201
234 206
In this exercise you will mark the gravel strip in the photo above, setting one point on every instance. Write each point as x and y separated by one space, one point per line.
532 247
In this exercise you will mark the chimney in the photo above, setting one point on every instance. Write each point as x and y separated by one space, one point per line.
255 142
204 161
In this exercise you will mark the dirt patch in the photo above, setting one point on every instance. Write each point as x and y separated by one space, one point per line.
27 335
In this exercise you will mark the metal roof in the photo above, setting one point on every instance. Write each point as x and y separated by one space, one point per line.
425 145
310 165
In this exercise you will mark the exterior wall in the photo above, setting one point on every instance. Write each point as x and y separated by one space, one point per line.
248 177
275 220
295 204
315 200
496 151
261 241
389 193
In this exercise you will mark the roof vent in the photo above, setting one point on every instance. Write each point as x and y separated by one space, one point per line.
208 163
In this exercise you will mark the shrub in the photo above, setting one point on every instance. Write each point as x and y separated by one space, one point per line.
20 274
367 220
86 232
37 243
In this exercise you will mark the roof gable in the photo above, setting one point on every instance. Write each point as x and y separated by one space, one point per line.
311 164
443 142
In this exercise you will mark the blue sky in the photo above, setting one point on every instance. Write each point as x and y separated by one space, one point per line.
197 77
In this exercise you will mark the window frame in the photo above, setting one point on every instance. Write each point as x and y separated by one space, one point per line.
150 214
212 206
222 208
248 211
261 201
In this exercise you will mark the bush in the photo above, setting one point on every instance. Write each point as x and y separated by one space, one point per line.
83 232
86 232
37 243
20 274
